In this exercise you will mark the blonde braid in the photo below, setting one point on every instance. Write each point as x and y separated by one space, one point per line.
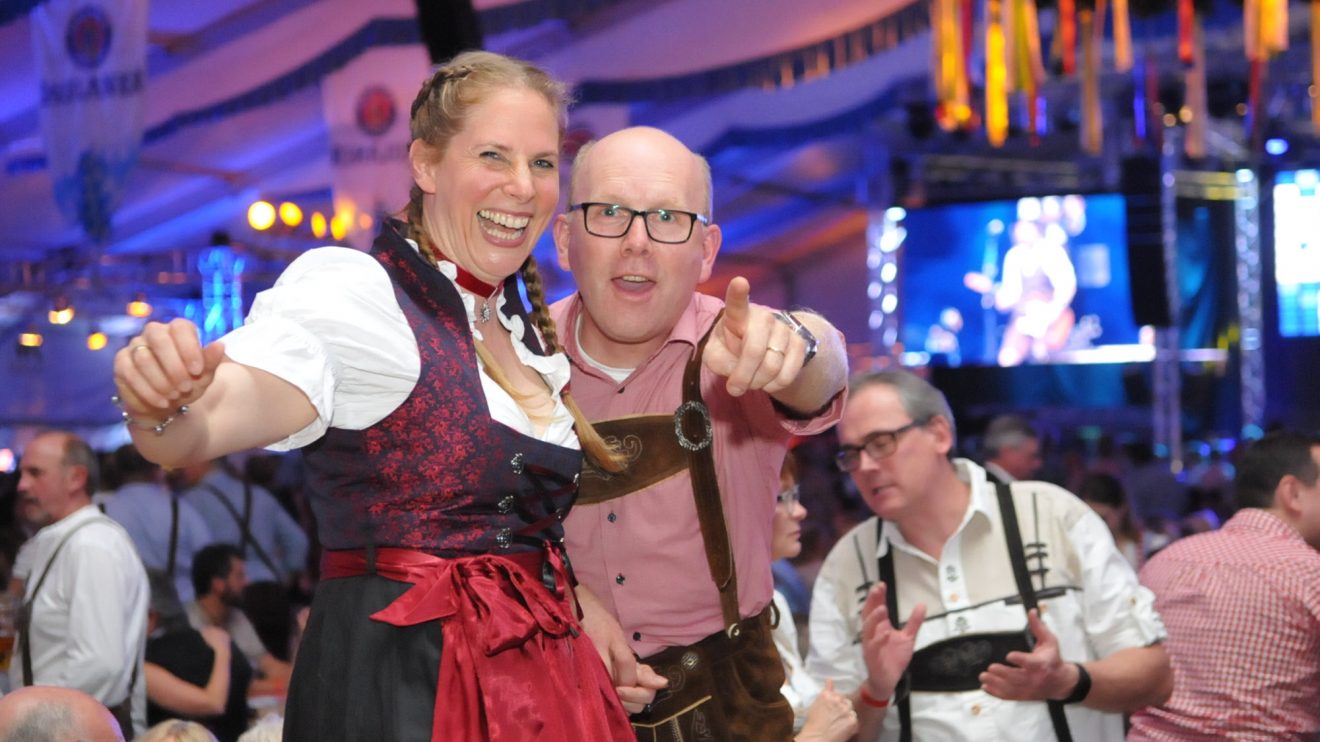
531 276
602 454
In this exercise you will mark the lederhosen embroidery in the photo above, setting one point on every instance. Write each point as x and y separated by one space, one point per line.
953 664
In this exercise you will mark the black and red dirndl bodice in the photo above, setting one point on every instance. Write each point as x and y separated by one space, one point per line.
442 613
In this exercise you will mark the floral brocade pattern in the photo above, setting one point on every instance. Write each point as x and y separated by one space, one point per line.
438 474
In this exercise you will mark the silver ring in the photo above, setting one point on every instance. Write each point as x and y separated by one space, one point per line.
773 349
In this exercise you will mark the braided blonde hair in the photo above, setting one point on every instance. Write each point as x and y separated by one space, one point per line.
438 113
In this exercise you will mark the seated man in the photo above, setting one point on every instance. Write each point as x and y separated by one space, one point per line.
1243 608
219 576
1023 618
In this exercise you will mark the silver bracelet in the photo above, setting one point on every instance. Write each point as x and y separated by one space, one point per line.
801 331
157 428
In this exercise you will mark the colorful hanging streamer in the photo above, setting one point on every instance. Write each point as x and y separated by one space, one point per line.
1092 27
953 107
1122 36
1315 64
1197 118
996 74
1068 35
1186 21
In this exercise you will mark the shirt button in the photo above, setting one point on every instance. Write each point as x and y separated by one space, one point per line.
611 517
976 709
637 636
953 597
619 579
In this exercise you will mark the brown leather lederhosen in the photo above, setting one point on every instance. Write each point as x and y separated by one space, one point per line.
726 686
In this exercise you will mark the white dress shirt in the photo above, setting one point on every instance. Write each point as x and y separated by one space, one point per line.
799 687
332 327
89 622
1091 601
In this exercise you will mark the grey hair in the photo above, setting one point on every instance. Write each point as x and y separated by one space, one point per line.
1006 431
920 400
45 721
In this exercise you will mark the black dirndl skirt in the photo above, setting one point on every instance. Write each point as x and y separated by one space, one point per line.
359 680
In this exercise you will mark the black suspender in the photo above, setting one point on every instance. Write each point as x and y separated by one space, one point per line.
901 694
1021 575
243 520
174 535
1018 558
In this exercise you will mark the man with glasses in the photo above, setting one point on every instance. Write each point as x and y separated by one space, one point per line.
969 610
702 397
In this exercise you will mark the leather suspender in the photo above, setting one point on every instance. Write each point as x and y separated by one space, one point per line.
697 436
1021 575
1016 555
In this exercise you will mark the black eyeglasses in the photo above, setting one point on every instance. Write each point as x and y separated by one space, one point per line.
668 226
878 445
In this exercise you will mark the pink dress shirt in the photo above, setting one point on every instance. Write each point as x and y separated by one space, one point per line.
1242 607
642 554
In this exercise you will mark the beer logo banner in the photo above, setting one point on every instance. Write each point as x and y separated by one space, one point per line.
366 111
92 61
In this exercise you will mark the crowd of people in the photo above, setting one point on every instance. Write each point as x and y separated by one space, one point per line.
569 521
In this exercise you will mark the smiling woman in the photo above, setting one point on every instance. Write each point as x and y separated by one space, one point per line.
441 444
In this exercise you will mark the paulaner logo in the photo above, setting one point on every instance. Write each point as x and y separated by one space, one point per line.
375 111
87 37
374 114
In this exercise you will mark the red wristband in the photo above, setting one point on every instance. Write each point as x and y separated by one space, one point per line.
873 703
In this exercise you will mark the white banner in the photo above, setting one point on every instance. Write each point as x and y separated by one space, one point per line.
92 61
366 111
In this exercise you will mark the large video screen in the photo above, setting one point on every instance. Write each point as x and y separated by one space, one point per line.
1034 280
1297 252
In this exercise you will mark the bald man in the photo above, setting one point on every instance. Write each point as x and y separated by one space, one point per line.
45 713
686 576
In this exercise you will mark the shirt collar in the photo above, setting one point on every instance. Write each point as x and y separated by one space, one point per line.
688 329
70 521
980 503
1263 521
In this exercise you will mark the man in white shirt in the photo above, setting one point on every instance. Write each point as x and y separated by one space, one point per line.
86 590
1012 449
965 562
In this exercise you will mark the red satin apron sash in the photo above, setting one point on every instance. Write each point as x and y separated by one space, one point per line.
486 604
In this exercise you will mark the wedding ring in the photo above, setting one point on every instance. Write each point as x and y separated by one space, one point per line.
773 349
136 348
